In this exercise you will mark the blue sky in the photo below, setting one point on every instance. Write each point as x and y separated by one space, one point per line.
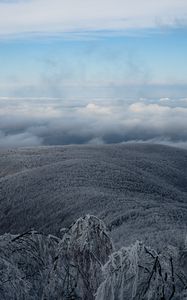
89 71
162 53
101 43
144 57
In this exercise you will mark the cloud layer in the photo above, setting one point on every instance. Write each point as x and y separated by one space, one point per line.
59 122
60 16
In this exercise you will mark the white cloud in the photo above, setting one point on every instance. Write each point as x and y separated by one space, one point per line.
24 139
94 109
140 108
51 122
60 16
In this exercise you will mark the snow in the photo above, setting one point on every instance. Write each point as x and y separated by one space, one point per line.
83 264
138 190
131 196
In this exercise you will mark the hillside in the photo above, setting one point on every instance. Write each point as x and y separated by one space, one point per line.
139 190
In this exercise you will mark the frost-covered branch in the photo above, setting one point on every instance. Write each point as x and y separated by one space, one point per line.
84 265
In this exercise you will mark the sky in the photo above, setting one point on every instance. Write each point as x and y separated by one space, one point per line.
89 71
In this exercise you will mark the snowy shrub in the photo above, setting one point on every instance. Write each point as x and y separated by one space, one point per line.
24 265
140 273
13 284
83 265
84 248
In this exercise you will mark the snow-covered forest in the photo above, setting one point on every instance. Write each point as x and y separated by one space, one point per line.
138 190
84 264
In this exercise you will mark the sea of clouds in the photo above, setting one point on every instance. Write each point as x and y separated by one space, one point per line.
52 121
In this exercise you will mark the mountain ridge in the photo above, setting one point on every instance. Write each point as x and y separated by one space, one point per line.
136 189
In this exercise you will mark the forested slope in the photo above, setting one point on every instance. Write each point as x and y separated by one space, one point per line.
139 190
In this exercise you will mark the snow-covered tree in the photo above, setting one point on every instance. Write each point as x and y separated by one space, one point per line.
25 261
140 273
83 265
84 248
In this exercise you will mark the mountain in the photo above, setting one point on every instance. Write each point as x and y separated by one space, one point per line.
138 190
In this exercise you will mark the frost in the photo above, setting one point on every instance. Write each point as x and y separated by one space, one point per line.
139 272
80 255
24 265
83 265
